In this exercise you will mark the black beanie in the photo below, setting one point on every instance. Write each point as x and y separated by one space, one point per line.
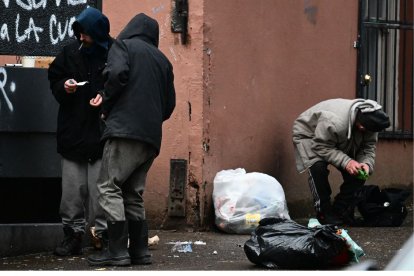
374 121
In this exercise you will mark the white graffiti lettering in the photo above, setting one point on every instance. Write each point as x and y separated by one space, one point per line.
60 34
37 19
6 3
42 3
52 23
4 32
2 86
71 21
76 2
32 28
27 6
18 38
31 4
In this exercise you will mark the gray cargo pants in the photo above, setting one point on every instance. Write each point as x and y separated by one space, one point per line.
79 200
121 181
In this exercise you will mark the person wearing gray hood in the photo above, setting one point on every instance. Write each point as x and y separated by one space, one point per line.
138 96
79 127
342 133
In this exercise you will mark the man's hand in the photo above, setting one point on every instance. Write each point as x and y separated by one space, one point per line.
70 86
365 167
353 166
95 102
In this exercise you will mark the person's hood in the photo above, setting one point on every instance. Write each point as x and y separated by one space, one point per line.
362 105
142 26
93 23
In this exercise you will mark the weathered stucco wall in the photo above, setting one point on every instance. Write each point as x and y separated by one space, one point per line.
266 62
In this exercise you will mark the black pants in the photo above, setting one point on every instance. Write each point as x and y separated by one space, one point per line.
321 189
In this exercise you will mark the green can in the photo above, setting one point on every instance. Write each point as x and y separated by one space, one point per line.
362 175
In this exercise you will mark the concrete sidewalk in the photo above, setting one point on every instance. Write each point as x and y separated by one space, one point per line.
220 252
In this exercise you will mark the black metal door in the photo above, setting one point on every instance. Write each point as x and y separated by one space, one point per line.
385 61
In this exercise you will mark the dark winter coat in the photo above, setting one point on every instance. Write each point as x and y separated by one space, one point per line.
139 90
79 127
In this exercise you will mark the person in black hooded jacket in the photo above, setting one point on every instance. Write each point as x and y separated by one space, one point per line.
138 97
79 126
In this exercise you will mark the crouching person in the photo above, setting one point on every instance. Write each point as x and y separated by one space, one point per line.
138 97
342 133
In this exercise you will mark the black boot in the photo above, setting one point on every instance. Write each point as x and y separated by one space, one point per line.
346 211
104 239
138 242
71 244
326 215
346 200
117 252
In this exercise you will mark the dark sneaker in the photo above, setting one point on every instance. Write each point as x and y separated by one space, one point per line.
71 245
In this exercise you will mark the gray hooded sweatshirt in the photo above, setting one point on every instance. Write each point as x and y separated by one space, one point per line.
325 132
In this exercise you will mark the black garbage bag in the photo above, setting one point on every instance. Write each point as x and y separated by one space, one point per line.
382 208
283 243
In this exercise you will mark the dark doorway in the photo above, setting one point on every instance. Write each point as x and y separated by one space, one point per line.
30 200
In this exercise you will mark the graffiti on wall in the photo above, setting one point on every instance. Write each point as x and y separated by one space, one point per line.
37 27
3 86
26 102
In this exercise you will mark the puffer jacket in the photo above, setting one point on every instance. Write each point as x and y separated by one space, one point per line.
139 92
79 127
326 132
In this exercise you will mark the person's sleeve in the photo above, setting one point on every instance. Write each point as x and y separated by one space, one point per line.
115 75
58 75
366 153
324 144
170 103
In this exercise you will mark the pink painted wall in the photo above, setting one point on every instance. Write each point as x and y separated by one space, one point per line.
266 62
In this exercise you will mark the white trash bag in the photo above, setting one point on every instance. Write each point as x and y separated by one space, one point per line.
242 199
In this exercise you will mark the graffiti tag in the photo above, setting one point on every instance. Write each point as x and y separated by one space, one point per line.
12 88
28 27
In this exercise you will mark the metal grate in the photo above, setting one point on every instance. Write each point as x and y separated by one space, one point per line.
385 61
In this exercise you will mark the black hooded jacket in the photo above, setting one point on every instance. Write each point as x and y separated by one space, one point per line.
139 89
79 127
